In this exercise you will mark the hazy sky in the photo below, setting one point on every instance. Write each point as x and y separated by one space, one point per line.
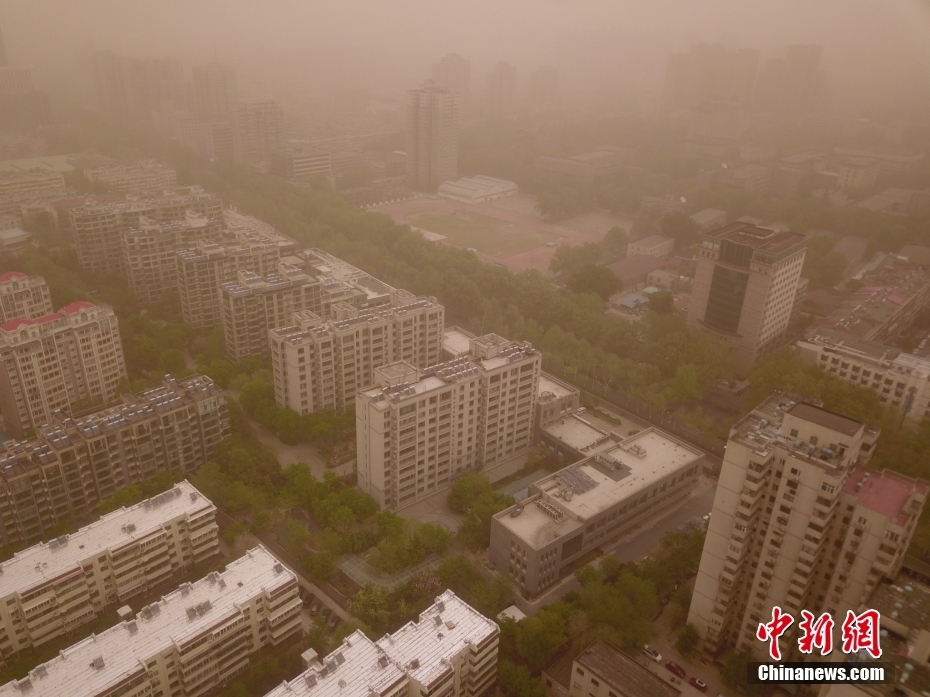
590 40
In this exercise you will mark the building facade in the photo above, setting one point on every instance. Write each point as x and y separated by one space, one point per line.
23 296
589 504
259 129
900 379
252 305
55 587
453 73
432 137
418 430
651 246
214 87
744 287
136 178
23 187
202 270
451 651
300 161
321 364
150 252
98 228
72 357
74 463
188 643
798 522
603 670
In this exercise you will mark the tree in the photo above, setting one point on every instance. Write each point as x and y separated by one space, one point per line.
540 636
594 279
681 228
662 302
466 489
685 385
734 673
517 681
587 575
688 640
616 240
371 605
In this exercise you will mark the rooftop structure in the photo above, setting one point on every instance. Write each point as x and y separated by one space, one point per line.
478 189
590 503
653 246
225 611
74 574
897 202
710 218
450 643
634 270
602 669
456 342
144 175
23 296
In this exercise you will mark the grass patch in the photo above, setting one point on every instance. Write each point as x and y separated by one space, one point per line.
488 235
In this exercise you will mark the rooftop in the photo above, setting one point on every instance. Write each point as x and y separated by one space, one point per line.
48 561
624 673
102 661
707 215
422 650
549 385
456 342
827 419
577 433
887 493
635 266
758 238
889 357
652 241
597 483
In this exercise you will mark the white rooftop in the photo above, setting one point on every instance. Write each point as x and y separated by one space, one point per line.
419 650
125 647
642 460
456 342
549 384
576 433
46 561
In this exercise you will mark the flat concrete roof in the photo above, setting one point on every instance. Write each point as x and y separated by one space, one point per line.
456 342
575 432
549 384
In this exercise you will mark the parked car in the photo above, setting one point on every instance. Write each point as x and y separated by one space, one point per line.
325 613
333 621
652 653
698 684
309 599
676 669
315 608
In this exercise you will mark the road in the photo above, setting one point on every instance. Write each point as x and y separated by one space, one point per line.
639 544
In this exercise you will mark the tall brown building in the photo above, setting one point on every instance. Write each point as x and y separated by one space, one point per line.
744 287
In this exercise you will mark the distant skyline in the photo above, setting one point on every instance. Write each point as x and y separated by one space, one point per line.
392 45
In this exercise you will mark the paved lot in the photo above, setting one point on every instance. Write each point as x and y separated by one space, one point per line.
434 510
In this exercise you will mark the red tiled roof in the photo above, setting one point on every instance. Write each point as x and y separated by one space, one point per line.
10 275
15 324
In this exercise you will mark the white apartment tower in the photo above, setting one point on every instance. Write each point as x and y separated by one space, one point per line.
800 523
23 296
433 117
419 429
54 587
55 361
186 644
451 651
321 364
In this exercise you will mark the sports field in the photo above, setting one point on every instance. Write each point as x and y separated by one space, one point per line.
491 236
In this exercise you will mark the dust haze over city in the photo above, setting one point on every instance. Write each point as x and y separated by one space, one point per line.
429 349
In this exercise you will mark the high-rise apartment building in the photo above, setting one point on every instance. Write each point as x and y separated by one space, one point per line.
190 642
18 188
203 269
215 93
54 587
798 522
74 463
300 161
432 137
135 178
453 73
502 91
98 228
710 72
451 650
259 129
252 305
22 107
70 358
418 429
133 88
321 364
793 83
23 296
150 252
744 287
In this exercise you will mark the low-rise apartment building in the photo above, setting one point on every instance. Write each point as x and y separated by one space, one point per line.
651 246
253 305
603 670
451 651
321 364
55 587
417 429
135 178
71 357
18 188
188 643
74 463
150 252
23 296
798 522
99 227
204 268
590 504
900 379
